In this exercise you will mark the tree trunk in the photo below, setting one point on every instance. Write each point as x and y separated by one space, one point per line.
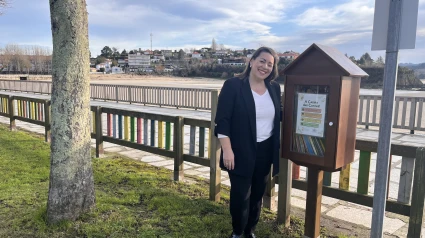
71 188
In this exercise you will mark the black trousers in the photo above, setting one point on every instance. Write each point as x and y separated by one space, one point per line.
246 193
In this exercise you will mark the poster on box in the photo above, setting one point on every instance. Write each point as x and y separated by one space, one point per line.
311 112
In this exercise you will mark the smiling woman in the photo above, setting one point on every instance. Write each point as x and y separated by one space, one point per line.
248 125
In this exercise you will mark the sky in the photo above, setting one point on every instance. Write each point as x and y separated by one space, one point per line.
185 24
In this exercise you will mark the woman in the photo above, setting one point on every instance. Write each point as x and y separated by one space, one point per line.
248 127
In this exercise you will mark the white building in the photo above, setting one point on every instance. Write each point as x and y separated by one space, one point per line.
167 53
106 66
139 60
196 55
116 70
221 53
157 58
122 62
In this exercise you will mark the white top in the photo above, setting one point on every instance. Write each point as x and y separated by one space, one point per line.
264 115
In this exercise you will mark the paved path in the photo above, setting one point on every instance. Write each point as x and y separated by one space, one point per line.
394 226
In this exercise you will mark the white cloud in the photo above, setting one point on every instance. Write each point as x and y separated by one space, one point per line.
249 10
346 38
357 14
421 32
243 19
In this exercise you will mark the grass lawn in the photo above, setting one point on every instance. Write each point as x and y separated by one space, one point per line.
133 199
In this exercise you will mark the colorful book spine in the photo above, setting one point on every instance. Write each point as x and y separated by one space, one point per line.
308 145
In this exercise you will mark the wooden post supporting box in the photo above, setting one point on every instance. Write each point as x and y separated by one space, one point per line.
320 118
320 113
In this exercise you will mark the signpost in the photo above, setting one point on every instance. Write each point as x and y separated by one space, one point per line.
401 34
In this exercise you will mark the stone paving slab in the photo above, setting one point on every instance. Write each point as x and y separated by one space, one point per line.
364 217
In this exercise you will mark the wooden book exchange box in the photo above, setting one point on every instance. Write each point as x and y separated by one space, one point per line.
320 109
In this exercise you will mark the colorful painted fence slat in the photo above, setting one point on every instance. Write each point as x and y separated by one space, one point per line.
139 130
364 171
145 131
152 132
114 126
167 135
327 179
108 124
192 140
126 131
4 105
132 130
344 178
201 141
120 135
160 134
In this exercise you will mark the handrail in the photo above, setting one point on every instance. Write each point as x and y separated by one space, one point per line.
408 114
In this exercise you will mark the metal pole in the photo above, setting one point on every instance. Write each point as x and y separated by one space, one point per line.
386 119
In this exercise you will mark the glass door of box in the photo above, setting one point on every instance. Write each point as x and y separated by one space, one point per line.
311 120
310 116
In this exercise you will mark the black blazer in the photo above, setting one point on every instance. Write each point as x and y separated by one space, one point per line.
236 119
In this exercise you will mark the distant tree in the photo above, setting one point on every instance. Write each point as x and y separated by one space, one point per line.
106 52
181 54
100 59
26 63
353 59
3 4
284 61
131 52
365 60
114 62
124 53
380 61
115 53
213 45
244 51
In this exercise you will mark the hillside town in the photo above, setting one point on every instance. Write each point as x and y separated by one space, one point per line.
37 60
166 61
215 61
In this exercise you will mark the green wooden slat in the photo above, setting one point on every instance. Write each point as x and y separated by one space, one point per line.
120 118
327 179
152 132
192 140
201 141
167 135
133 128
364 169
145 131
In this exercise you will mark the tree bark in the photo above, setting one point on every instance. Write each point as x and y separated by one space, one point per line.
71 188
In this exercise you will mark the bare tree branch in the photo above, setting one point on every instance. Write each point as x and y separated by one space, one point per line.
3 4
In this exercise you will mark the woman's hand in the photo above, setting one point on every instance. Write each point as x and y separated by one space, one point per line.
229 159
228 156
